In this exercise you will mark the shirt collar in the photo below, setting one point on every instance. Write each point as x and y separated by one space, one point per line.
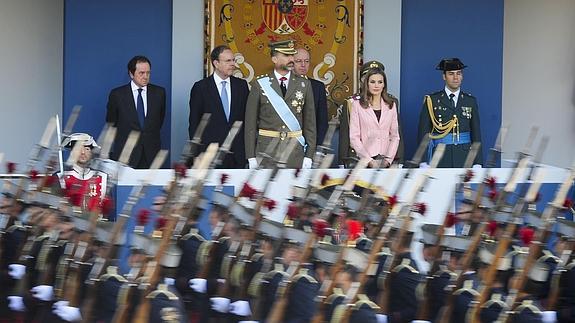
448 92
219 80
135 87
278 75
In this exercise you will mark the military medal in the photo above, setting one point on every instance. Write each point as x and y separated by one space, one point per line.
466 112
299 95
297 105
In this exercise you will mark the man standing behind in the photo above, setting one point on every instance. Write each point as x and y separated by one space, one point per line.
302 59
224 97
451 117
139 106
280 105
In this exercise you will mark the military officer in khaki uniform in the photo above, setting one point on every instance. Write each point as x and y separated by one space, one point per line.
281 105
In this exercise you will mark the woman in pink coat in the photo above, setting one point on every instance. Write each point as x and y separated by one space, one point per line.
373 126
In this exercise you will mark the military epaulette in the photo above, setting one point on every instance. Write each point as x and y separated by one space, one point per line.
405 264
496 299
337 293
467 288
256 257
112 272
163 290
42 237
549 256
16 226
261 76
527 304
443 270
466 94
193 233
203 252
363 300
303 274
223 239
571 265
278 269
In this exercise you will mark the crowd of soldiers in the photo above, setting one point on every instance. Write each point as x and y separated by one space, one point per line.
342 254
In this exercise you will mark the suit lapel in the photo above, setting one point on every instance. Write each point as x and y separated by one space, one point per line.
213 92
130 104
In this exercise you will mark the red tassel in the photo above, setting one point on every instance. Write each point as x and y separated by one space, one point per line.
526 235
248 191
319 227
392 200
491 182
143 217
270 204
354 229
420 208
10 167
492 194
324 179
292 211
33 175
180 169
224 178
568 203
491 228
468 176
450 219
161 223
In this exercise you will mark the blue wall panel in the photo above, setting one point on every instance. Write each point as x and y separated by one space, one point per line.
469 29
100 37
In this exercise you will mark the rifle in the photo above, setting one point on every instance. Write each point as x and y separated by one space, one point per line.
423 310
278 310
505 240
478 233
548 220
402 212
143 309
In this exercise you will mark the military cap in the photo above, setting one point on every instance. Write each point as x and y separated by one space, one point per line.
286 47
487 254
456 243
450 64
371 65
429 234
71 140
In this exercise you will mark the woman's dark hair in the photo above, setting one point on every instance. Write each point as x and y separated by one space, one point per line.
365 96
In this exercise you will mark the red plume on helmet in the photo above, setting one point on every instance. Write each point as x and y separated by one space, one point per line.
450 219
526 234
319 227
143 217
270 204
491 228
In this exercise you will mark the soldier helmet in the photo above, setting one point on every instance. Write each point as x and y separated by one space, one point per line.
71 140
450 64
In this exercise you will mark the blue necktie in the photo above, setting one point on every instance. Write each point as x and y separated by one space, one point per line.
140 108
225 101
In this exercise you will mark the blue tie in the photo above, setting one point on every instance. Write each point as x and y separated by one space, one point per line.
225 101
140 108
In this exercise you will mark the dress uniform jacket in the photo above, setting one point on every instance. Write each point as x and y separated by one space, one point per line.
468 117
260 114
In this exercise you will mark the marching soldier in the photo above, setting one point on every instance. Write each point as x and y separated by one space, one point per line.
451 116
281 105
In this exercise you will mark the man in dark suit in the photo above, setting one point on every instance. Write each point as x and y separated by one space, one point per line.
224 97
451 117
139 106
301 60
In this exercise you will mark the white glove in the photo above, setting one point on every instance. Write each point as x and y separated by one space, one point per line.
68 313
476 166
220 304
549 316
252 163
198 285
306 164
169 281
419 321
240 308
59 304
16 271
43 292
423 165
248 322
381 318
16 303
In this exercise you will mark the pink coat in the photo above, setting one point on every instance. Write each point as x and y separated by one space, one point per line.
368 136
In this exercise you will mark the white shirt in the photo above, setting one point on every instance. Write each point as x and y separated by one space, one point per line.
456 93
218 80
287 76
144 96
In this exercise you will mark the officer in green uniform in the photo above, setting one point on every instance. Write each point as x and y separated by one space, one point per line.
346 154
451 116
281 105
